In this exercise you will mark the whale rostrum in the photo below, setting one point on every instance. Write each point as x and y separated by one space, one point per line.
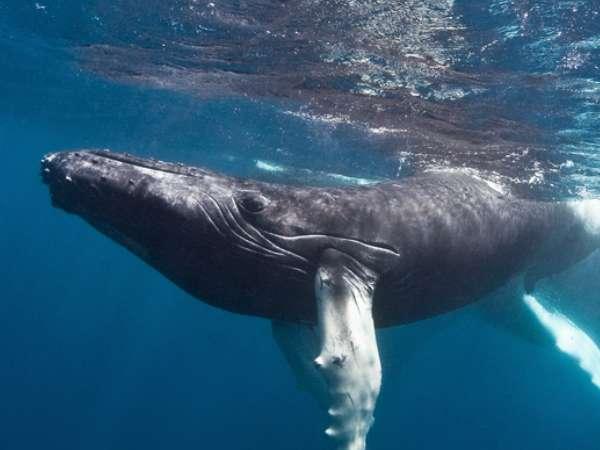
329 265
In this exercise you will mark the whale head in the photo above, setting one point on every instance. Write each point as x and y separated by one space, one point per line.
242 245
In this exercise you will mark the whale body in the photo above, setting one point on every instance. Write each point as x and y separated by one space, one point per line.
328 265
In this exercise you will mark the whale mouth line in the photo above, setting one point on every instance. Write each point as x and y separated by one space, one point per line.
149 163
95 156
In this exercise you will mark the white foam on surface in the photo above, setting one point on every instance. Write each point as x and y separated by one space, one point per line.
387 130
329 119
496 185
569 338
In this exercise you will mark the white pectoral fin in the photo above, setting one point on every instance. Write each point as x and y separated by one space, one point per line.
348 357
569 338
337 360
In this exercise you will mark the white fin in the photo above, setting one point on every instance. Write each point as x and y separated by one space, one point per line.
338 361
569 338
348 357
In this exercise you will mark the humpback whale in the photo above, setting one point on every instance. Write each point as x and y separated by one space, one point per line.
329 265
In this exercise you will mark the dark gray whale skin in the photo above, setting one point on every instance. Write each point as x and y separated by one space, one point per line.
437 241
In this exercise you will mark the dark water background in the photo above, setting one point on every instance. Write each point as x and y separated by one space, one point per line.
100 352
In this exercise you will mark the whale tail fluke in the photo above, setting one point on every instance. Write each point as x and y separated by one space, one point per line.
568 337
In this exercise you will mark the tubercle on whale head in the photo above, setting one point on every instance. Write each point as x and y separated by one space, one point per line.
130 195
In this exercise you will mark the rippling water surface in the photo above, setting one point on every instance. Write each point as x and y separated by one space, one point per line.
100 353
509 88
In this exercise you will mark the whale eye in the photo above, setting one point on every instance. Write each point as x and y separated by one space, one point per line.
252 202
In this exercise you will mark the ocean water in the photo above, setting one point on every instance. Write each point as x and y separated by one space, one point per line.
98 351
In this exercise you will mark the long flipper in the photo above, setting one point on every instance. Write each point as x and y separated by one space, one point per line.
338 360
569 338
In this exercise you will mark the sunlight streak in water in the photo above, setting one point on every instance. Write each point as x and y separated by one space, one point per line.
569 338
316 176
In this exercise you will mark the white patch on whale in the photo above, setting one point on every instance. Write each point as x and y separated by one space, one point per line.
588 211
569 338
49 158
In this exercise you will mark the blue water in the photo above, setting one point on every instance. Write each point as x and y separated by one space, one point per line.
98 351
